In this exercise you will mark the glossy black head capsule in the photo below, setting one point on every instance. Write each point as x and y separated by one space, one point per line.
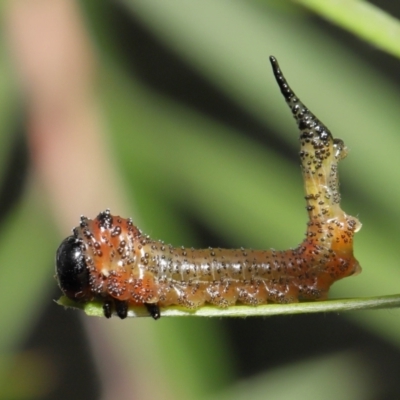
71 270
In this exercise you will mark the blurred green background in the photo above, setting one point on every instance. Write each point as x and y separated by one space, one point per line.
206 150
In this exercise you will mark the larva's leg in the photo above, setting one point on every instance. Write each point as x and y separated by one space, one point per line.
222 294
107 308
282 292
182 294
154 310
121 307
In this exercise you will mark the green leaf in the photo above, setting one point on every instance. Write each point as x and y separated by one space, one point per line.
365 20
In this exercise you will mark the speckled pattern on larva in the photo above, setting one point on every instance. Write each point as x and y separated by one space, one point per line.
121 265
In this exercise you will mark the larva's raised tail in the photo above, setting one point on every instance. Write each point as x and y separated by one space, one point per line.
329 226
318 151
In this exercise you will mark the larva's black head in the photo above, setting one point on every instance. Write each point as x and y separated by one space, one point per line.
71 270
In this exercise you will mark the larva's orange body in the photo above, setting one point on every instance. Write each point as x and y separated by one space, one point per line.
108 258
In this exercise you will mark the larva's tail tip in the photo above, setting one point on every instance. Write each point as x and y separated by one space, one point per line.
275 65
274 61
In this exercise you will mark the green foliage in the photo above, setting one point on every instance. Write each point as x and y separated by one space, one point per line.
361 18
